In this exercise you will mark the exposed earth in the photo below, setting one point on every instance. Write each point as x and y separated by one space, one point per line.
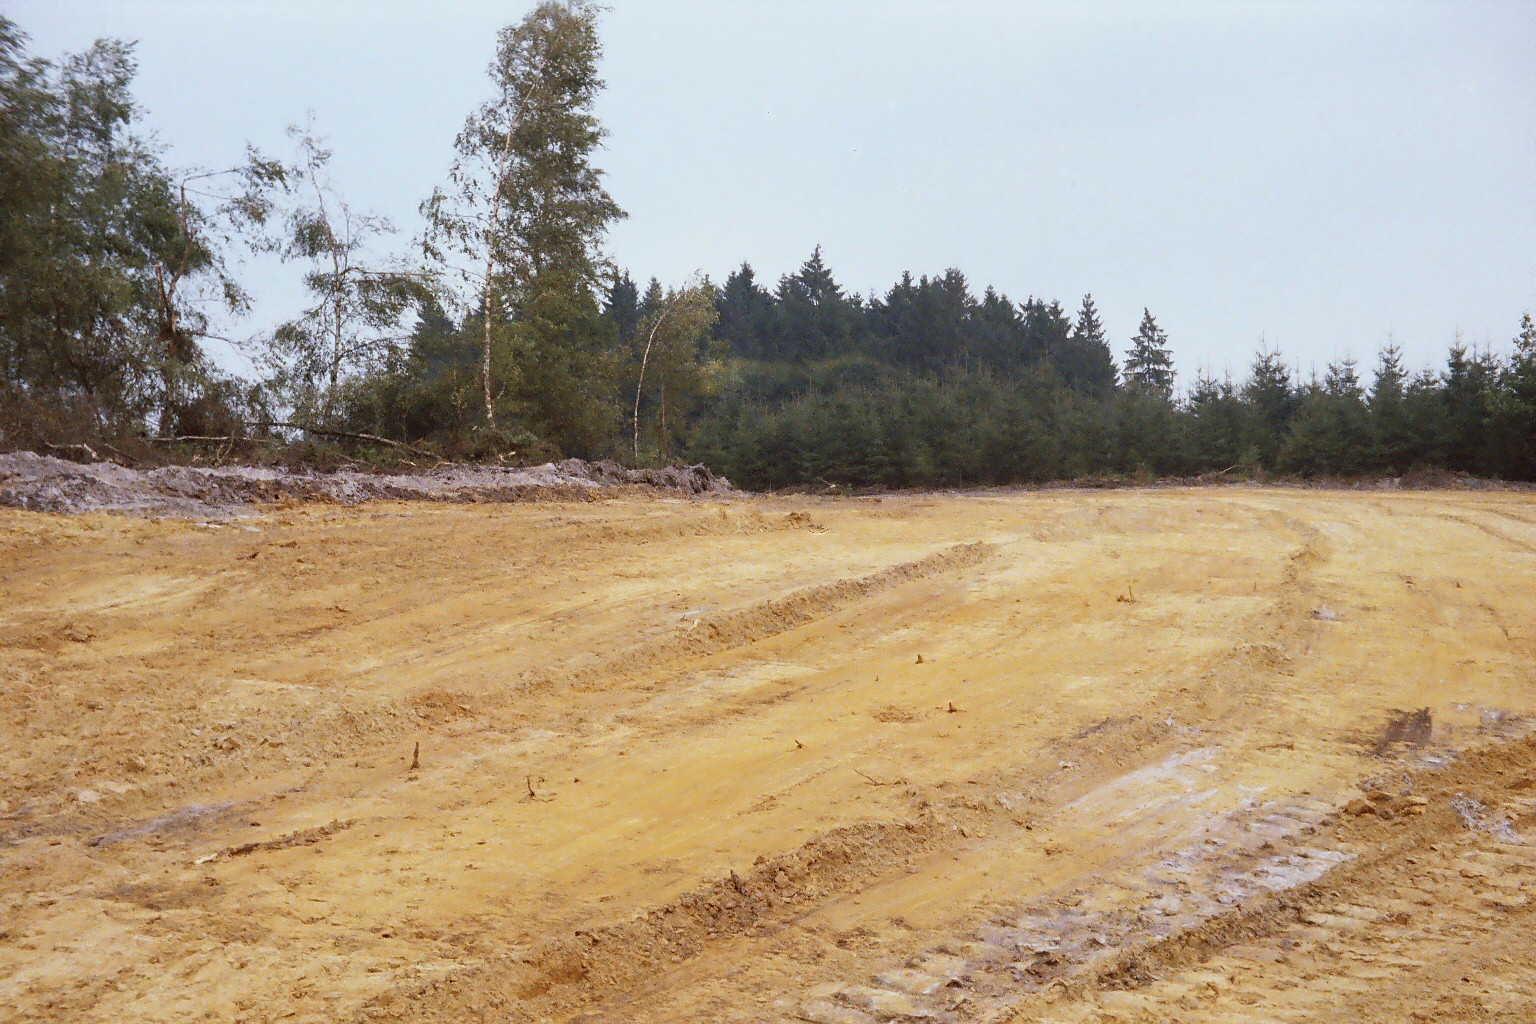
1220 754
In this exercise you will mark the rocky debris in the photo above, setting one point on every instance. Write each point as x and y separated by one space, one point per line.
1475 816
44 484
1385 805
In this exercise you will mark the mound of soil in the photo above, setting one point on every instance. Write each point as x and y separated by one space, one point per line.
44 484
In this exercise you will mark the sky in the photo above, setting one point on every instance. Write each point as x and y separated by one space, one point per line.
1313 177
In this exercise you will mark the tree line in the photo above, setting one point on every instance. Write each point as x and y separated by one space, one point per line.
929 385
506 331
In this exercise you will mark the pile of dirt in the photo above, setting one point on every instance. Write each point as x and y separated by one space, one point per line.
44 484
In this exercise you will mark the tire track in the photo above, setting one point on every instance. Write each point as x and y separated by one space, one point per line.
1442 858
1248 877
711 635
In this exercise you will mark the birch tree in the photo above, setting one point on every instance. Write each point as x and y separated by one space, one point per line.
354 319
212 211
673 345
525 210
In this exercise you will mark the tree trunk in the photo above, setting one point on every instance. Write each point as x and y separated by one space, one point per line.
485 361
666 442
641 382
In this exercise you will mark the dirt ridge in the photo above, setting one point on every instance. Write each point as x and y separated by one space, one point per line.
711 635
41 483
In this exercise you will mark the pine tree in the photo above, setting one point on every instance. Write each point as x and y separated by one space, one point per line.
1515 415
1272 402
1148 364
1085 361
1391 442
743 309
623 307
813 318
1470 379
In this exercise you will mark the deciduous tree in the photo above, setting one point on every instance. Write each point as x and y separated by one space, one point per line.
526 210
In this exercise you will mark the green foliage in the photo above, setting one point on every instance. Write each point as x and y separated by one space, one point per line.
353 322
1471 381
1272 400
115 270
1085 361
110 265
1392 445
1148 364
1513 409
1215 424
525 212
1330 435
671 353
811 317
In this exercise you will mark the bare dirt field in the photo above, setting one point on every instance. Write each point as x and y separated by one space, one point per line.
1236 754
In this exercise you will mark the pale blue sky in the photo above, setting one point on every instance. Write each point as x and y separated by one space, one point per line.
1316 174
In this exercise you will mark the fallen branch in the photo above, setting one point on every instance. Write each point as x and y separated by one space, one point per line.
876 782
302 427
375 438
82 446
170 439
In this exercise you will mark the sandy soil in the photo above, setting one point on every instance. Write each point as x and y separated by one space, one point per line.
1218 755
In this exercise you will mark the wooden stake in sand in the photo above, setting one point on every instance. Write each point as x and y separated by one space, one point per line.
416 757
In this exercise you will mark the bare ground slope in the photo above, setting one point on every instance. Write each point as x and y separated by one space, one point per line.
1228 755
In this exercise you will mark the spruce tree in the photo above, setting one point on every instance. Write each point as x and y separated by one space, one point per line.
1328 435
1215 424
1470 379
623 307
1391 442
813 318
743 309
1086 361
814 281
1515 417
1148 364
996 330
1271 399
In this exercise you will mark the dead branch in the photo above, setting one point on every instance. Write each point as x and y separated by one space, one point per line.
876 782
171 439
303 427
82 446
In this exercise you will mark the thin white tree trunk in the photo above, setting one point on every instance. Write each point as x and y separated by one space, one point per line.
641 382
